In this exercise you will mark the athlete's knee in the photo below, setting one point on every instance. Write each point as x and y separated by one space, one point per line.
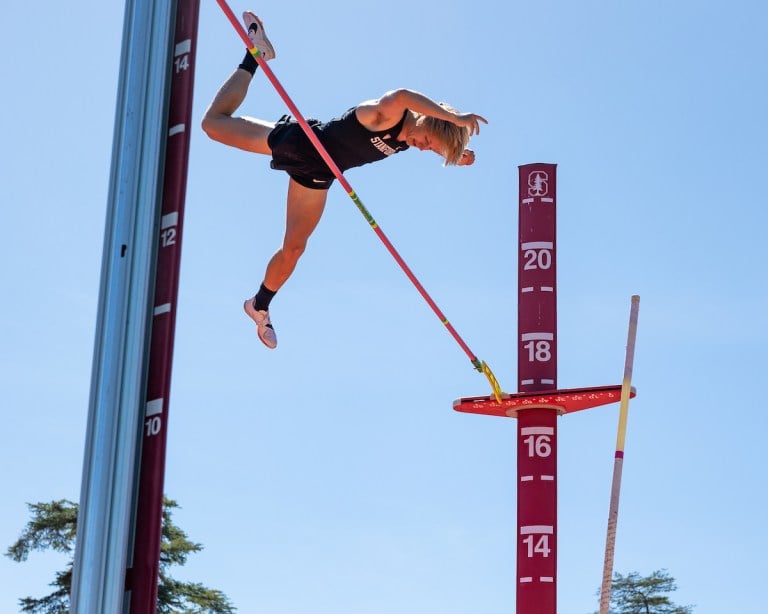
293 250
209 124
217 123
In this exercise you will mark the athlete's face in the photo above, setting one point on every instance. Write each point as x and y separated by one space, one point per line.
420 138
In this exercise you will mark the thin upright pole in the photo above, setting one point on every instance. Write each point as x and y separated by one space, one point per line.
618 462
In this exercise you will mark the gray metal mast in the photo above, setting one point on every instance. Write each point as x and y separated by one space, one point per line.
119 365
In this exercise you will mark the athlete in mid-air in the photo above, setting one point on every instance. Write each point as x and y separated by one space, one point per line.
370 131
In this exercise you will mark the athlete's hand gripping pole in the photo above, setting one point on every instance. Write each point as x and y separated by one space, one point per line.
480 366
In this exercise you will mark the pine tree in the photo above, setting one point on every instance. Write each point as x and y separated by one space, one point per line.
53 527
635 594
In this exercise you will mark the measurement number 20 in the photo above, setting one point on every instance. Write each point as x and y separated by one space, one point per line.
537 259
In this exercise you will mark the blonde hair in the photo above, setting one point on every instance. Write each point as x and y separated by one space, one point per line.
453 138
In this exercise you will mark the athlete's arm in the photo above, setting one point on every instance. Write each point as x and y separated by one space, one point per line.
386 111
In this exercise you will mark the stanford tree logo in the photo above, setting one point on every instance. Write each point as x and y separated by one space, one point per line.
538 183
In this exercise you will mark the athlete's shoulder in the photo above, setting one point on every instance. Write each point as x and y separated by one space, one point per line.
382 113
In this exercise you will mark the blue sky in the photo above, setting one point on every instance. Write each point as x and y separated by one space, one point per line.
332 475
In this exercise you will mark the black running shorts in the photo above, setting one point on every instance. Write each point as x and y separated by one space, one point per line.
294 153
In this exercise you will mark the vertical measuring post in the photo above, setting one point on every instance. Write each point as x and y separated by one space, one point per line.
538 402
537 371
143 572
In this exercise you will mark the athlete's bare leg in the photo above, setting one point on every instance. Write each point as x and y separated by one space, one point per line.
245 133
305 207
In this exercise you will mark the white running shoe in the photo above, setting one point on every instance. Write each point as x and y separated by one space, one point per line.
263 324
257 35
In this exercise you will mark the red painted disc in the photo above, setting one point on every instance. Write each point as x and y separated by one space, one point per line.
563 401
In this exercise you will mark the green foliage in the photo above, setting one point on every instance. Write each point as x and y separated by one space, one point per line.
53 527
636 594
190 598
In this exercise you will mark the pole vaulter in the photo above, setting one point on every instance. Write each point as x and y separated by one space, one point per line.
479 365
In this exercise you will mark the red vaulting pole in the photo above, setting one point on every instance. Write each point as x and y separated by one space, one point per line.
537 371
142 577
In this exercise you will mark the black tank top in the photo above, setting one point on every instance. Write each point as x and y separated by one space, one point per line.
351 144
